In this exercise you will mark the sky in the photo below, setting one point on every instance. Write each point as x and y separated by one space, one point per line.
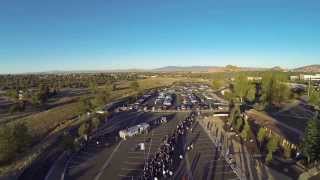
41 35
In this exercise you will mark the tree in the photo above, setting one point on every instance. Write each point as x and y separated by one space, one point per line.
68 141
135 85
95 122
261 136
35 101
314 98
93 87
102 97
216 84
84 129
246 131
274 89
251 93
114 87
311 140
13 94
236 119
22 136
84 105
14 108
272 146
241 86
7 147
13 139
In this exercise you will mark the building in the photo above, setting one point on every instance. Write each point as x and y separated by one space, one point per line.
294 78
254 78
307 77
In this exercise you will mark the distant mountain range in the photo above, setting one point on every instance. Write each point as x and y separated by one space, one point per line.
205 69
310 68
231 68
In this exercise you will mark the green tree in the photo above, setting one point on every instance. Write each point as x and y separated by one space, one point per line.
216 84
236 119
21 136
13 94
135 85
8 148
311 140
261 136
14 108
241 86
246 131
95 122
93 87
35 101
269 157
274 88
102 97
68 141
251 93
84 129
272 146
314 98
84 105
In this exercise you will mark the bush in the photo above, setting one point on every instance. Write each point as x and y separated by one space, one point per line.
13 139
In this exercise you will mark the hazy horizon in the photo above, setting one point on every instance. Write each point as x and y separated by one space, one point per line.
38 36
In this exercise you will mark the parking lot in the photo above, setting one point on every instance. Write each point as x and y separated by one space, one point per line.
107 156
122 160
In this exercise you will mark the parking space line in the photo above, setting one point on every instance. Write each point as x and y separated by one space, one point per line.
133 157
132 163
219 166
131 169
224 172
135 152
126 176
97 177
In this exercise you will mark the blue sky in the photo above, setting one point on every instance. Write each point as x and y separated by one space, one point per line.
40 35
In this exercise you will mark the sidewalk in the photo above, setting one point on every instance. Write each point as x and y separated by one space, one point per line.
243 166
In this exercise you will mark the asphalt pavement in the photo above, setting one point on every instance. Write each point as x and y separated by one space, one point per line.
121 160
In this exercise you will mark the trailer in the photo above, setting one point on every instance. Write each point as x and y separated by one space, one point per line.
134 130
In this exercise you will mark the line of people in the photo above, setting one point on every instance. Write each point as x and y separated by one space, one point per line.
162 164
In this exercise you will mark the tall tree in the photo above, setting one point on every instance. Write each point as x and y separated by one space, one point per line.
311 140
261 136
272 146
84 129
274 88
7 146
241 86
22 136
84 105
314 98
246 132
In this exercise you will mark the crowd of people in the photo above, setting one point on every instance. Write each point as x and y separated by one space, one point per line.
162 164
